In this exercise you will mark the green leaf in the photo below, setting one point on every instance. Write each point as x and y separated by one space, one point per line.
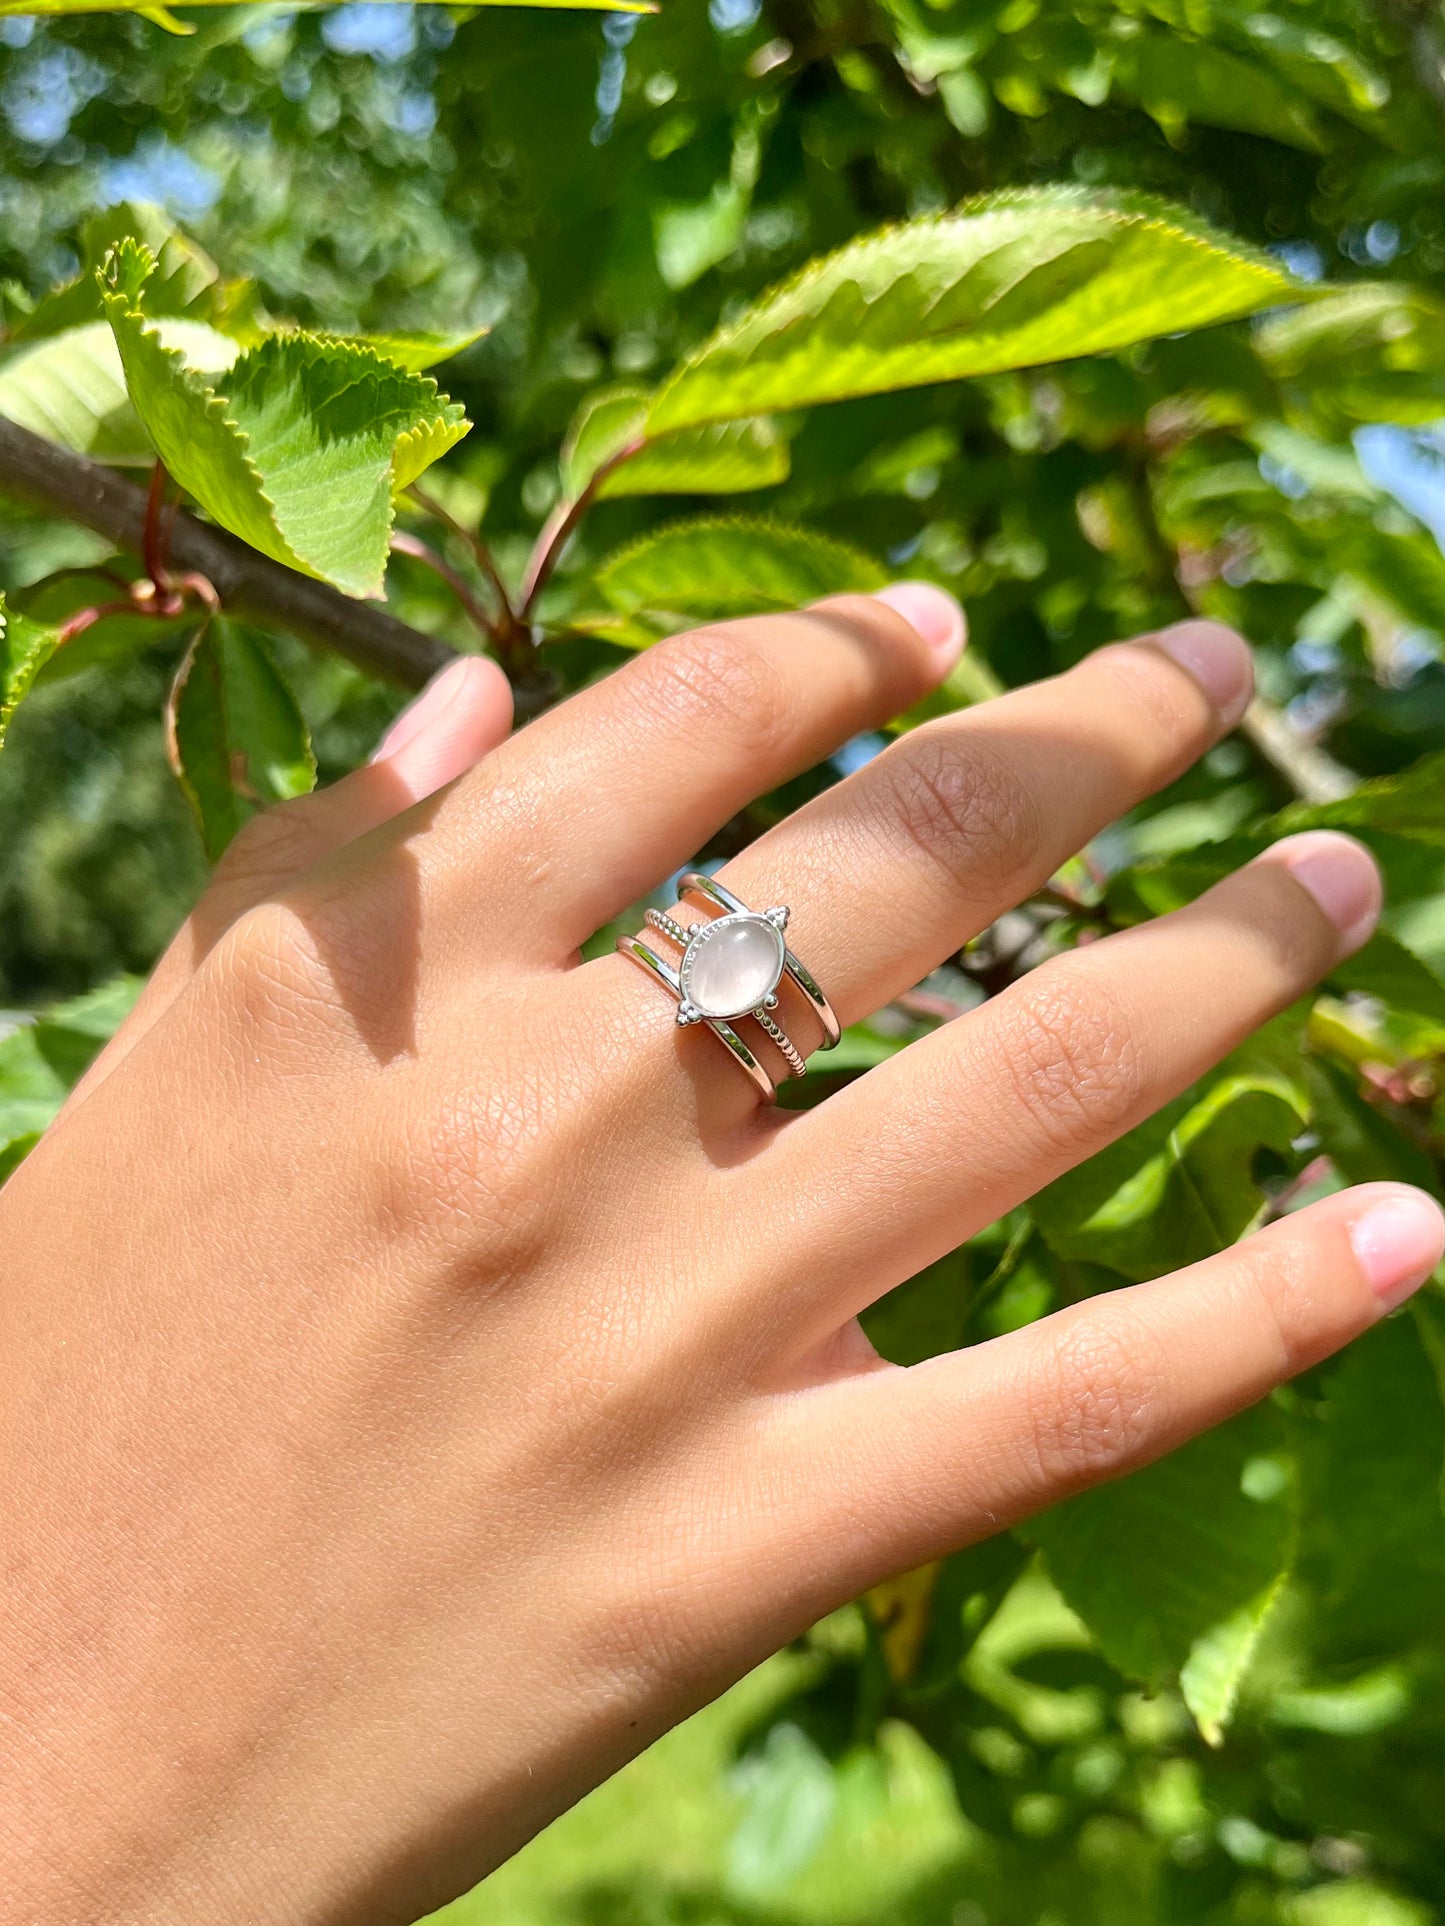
237 740
1175 1568
1182 81
790 1791
13 1154
187 281
300 450
1386 968
1219 1661
1011 281
718 569
1179 1188
1359 1140
70 387
1411 804
415 352
25 647
1374 352
1374 1531
41 1062
727 458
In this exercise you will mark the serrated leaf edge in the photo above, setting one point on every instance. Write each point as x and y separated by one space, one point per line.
1125 208
216 405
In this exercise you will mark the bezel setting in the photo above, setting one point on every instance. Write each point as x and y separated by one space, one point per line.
690 1009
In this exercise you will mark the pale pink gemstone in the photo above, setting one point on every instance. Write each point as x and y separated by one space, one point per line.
735 967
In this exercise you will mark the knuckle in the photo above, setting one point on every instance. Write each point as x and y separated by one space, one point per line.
275 980
963 808
477 1162
1071 1056
724 678
277 843
1095 1398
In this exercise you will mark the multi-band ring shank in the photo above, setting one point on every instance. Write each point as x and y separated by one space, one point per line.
729 970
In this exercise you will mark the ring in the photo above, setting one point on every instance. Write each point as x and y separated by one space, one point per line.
729 969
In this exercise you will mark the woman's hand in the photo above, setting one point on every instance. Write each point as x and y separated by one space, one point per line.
428 1373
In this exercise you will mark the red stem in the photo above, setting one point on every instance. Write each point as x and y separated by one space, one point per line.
474 542
83 619
404 544
561 525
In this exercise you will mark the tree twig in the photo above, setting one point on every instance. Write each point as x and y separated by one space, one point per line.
1310 771
473 541
67 486
403 543
562 524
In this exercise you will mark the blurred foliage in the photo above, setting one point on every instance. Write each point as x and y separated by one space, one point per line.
1216 1691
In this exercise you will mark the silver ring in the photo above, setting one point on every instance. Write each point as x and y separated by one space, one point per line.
730 968
694 883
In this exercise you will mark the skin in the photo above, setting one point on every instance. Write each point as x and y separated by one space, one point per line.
429 1373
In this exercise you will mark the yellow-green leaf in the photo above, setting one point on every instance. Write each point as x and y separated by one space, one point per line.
299 449
1010 281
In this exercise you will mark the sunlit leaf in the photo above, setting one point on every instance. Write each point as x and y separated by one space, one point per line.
186 282
1220 1658
416 352
25 647
1174 1568
1019 278
717 569
301 447
42 1060
1180 82
1181 1187
1374 352
147 9
71 387
610 432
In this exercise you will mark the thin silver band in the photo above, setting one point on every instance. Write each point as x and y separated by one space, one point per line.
634 947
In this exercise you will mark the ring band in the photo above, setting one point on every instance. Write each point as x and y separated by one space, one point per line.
729 969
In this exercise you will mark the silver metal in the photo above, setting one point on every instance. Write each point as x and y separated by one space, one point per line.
695 884
638 951
679 932
690 940
791 1056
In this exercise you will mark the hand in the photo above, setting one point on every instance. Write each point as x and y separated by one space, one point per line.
429 1372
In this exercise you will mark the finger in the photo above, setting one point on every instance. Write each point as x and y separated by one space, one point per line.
906 1163
953 1450
890 872
464 712
599 800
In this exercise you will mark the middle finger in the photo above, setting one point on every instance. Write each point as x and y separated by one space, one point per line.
891 871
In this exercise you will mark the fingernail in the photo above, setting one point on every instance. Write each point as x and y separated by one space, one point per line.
1219 660
1341 876
1399 1241
933 612
426 710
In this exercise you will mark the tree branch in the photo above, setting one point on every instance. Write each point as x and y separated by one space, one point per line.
70 488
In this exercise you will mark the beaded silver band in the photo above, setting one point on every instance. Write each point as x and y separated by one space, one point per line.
729 969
